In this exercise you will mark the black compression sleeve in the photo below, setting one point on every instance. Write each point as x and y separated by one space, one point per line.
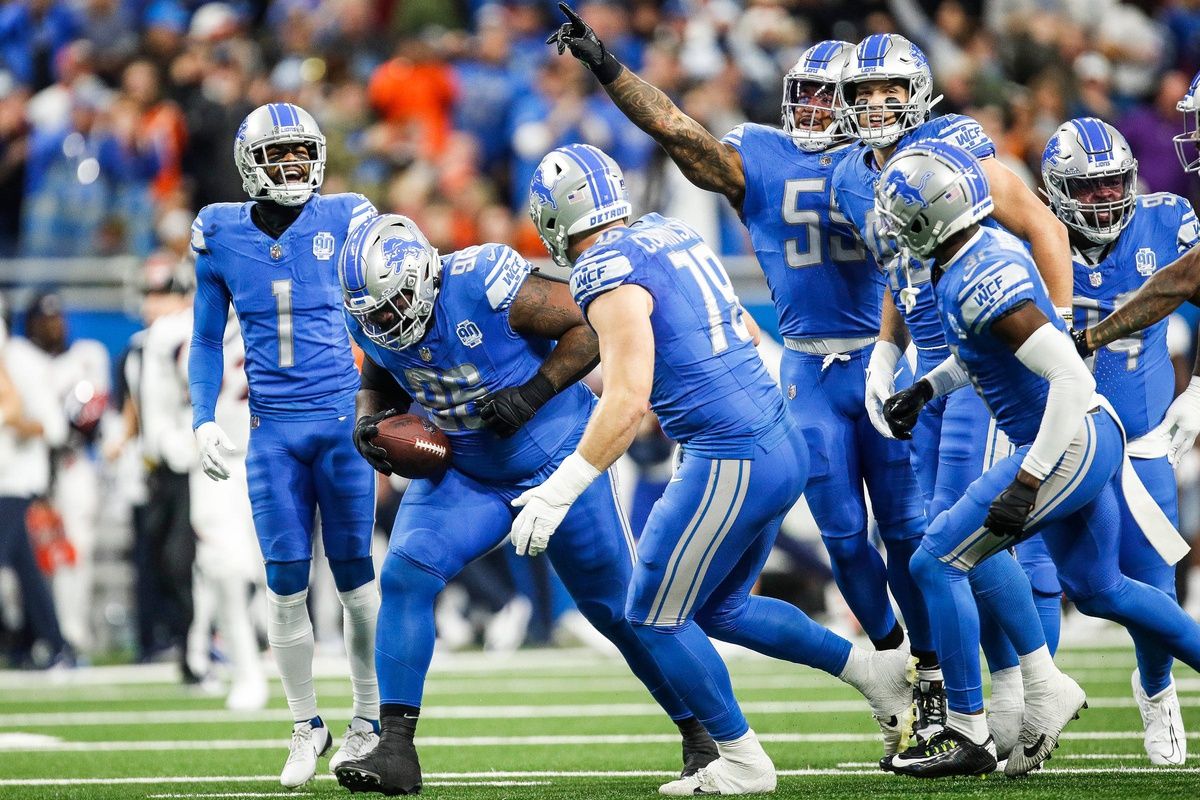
377 379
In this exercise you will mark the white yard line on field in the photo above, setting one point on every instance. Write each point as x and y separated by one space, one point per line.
457 777
171 717
36 743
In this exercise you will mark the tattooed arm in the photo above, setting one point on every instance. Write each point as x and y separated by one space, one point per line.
704 160
1179 281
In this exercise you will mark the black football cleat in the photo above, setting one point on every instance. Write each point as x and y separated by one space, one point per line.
698 751
946 754
929 698
392 768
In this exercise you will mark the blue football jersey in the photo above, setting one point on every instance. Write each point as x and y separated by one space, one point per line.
468 351
823 282
287 297
711 391
854 192
989 277
1135 373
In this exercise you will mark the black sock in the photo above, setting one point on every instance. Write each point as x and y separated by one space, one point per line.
892 641
399 719
691 729
926 659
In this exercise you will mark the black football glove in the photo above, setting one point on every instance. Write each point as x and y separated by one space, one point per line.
900 411
578 37
1079 337
1010 510
365 431
505 411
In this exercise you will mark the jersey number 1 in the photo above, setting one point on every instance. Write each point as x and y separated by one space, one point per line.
282 289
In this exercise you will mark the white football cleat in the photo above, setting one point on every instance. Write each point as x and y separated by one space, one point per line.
1165 740
360 739
308 744
1005 710
1056 702
886 679
726 777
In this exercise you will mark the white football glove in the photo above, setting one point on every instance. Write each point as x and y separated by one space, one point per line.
544 506
881 383
212 440
1182 422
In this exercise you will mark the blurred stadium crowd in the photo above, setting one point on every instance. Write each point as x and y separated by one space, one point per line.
117 119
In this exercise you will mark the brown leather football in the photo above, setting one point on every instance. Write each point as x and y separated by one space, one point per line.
416 448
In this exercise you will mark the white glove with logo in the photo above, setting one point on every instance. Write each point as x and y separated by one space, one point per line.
881 383
1182 422
545 505
212 440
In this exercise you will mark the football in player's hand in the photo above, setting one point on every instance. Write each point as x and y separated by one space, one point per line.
416 448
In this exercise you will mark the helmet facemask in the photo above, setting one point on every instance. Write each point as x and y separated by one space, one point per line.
882 124
287 181
808 113
1187 144
1078 202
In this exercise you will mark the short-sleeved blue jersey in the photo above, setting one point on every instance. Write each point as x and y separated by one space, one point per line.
1135 373
711 391
470 350
822 280
287 297
854 191
989 277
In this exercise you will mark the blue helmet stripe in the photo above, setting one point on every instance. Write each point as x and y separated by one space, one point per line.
577 154
1097 141
354 277
872 49
599 173
274 114
822 53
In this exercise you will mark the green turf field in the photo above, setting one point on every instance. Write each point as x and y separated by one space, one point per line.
540 724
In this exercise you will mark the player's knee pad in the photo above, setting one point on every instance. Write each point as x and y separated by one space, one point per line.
287 618
352 573
286 578
925 567
724 618
907 531
846 550
400 577
1106 603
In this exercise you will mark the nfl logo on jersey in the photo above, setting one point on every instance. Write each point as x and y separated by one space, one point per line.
469 333
323 245
1146 261
1095 279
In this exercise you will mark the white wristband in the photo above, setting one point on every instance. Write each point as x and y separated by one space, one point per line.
573 476
947 376
1068 315
884 357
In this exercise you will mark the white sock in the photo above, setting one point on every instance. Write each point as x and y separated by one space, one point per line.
1008 689
929 675
972 726
743 750
360 607
290 632
1037 668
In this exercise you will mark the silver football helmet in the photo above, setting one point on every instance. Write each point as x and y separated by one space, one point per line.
810 93
928 192
885 57
1089 160
1187 144
575 189
390 275
287 182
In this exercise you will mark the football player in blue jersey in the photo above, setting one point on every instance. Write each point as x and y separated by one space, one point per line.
274 260
827 296
493 353
674 338
1119 238
886 97
1065 479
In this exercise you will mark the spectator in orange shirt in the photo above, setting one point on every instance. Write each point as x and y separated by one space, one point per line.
415 92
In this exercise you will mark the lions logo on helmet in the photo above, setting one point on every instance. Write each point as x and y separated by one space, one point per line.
266 138
390 276
899 186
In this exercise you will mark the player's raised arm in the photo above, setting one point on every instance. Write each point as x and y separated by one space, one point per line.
546 310
1166 291
1019 210
705 160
